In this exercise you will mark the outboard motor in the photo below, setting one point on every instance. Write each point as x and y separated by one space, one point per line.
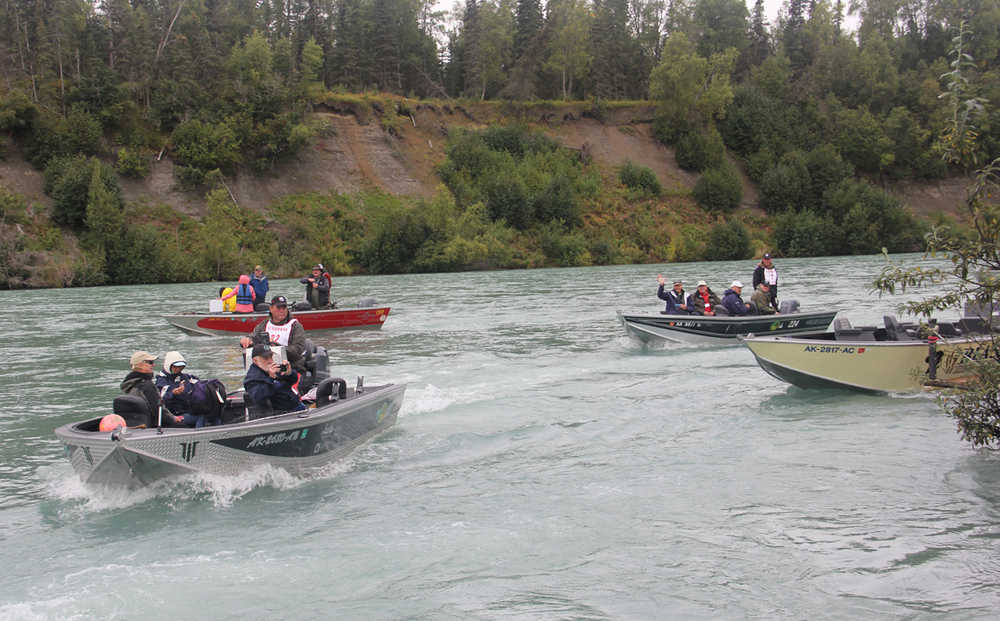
788 306
132 408
366 302
301 305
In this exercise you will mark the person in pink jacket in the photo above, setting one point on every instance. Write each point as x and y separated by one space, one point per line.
245 295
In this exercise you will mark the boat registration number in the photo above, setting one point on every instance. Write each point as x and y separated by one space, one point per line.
833 349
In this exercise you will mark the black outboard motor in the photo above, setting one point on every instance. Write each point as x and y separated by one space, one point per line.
301 305
133 409
325 394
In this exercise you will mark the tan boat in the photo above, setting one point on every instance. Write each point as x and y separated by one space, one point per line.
888 359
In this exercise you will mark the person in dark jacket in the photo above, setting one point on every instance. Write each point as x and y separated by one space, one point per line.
268 385
260 285
176 381
317 287
703 301
676 303
766 272
139 382
280 329
732 301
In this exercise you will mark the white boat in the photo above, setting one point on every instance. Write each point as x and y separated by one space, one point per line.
892 358
719 329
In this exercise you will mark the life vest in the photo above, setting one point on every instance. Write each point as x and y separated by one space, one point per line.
279 333
244 294
771 276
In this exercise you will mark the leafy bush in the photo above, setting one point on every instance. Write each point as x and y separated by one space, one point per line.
718 189
132 163
83 132
67 181
639 178
872 219
728 241
205 146
698 151
787 185
806 234
826 168
562 248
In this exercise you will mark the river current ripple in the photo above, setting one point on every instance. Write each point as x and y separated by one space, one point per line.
544 466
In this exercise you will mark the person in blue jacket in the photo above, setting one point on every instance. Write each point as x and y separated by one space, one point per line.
259 283
176 381
676 302
732 301
268 385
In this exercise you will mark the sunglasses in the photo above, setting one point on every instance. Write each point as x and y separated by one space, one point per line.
148 361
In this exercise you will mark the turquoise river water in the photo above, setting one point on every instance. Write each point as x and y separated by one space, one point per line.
544 466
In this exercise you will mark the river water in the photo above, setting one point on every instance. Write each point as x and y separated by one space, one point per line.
544 466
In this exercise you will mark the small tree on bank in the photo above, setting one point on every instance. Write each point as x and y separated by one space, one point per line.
974 275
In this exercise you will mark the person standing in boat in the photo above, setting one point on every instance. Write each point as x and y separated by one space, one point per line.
268 385
732 301
139 382
245 295
281 329
703 301
766 272
676 303
317 287
259 283
760 301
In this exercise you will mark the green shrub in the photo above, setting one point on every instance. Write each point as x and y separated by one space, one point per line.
189 178
563 248
83 132
872 219
132 163
719 189
806 234
826 168
787 185
728 241
67 180
206 146
697 151
639 178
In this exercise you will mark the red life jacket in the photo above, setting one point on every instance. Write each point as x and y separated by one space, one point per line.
706 299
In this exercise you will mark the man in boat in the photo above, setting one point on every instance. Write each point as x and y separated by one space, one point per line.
269 385
139 382
760 301
732 301
703 301
317 287
676 303
259 283
766 272
281 329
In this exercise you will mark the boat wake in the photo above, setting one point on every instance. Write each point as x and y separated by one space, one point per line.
76 499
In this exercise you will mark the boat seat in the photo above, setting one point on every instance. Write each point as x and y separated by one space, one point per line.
843 329
972 325
948 329
893 329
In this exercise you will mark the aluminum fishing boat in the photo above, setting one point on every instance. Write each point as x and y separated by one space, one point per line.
719 330
296 441
897 357
223 323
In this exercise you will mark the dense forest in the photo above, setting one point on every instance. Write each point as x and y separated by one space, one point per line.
821 118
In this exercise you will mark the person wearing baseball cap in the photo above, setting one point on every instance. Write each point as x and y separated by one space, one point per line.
269 385
703 301
732 301
139 382
281 329
766 272
676 302
317 287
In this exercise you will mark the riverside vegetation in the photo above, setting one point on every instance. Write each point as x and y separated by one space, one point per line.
819 119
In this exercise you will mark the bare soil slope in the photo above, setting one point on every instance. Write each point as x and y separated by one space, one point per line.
359 153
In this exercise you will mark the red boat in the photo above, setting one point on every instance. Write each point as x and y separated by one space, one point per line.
214 324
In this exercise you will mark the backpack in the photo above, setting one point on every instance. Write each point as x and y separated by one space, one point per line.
207 397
